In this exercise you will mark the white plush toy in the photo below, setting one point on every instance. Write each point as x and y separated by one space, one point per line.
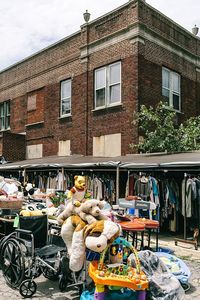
77 236
89 211
100 234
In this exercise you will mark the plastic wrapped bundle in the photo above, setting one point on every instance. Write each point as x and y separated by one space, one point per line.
163 285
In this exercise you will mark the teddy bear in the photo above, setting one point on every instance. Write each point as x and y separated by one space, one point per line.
78 191
89 211
78 235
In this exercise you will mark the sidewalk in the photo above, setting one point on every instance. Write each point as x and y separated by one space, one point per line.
182 250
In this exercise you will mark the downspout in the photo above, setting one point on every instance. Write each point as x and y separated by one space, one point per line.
85 58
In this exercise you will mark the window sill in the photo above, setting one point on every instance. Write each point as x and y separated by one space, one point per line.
174 110
35 124
107 108
65 116
3 130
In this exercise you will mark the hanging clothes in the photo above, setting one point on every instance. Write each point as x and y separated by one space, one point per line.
187 187
143 188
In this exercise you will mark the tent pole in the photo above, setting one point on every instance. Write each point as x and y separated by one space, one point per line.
24 175
63 178
117 184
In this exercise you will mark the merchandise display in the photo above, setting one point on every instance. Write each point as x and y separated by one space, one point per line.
91 229
118 274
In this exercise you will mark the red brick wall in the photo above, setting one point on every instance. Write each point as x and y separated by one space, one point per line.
13 146
18 113
122 35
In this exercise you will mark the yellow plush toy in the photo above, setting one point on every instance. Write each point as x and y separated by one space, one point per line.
77 193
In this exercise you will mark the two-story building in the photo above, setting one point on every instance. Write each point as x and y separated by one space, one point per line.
79 95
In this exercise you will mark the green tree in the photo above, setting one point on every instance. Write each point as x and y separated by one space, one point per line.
158 129
190 132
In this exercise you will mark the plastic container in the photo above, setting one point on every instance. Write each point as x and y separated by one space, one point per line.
131 211
91 255
165 250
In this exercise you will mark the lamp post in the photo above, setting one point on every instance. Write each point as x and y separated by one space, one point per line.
86 16
195 30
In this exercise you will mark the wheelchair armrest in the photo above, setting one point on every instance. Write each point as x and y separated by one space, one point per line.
24 231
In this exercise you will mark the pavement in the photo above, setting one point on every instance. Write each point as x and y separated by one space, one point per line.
47 289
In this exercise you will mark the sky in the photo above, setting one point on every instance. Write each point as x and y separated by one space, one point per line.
28 26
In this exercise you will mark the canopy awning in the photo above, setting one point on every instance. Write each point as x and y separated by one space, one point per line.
132 161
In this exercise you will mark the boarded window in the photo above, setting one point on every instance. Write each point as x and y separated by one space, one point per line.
64 148
31 103
107 145
34 151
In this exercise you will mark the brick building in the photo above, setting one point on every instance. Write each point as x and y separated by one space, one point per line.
78 96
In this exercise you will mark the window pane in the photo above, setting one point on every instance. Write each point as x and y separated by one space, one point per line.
165 78
100 98
100 78
115 93
165 94
66 107
66 89
7 121
175 82
7 108
176 102
114 73
2 110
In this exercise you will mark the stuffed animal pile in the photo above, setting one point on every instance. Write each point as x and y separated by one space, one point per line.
81 220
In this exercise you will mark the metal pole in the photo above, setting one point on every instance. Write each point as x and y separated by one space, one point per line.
63 178
185 223
24 173
117 184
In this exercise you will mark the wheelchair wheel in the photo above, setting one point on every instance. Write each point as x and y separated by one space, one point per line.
185 286
27 288
12 262
50 274
62 283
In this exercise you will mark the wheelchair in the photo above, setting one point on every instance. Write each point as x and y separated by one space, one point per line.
30 251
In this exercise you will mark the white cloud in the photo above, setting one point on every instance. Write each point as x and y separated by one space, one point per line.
27 26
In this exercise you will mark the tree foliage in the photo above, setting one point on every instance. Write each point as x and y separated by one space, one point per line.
161 134
190 132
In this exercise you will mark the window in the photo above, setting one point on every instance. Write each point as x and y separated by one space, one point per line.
65 98
171 89
5 115
108 85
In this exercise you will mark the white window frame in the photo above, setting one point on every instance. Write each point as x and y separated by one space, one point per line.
170 88
5 115
108 86
68 98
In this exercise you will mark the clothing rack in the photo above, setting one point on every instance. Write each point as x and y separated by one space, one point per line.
195 236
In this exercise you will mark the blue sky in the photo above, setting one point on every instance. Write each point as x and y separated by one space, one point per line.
27 26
